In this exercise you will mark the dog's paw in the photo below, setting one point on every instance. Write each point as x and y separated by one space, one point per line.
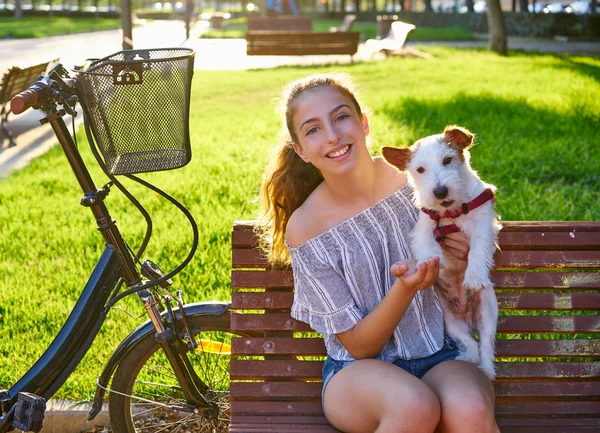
488 369
473 282
469 355
428 258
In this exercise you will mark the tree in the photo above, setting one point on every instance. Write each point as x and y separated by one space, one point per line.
18 14
594 6
496 27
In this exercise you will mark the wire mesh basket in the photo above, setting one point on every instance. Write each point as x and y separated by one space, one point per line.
137 105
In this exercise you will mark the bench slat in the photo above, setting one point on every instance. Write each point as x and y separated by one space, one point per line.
514 235
506 324
502 280
506 301
562 348
554 409
253 258
505 371
505 391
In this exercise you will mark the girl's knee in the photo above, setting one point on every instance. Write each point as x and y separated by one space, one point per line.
419 413
474 409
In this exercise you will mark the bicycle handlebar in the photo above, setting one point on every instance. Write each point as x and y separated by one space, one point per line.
24 100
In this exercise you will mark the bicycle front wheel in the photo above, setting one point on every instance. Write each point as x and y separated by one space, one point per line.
145 392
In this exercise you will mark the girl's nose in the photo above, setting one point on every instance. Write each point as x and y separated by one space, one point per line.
333 134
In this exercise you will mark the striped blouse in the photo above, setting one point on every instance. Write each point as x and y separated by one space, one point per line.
342 274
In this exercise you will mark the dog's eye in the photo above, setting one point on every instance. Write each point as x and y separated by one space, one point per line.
420 170
447 160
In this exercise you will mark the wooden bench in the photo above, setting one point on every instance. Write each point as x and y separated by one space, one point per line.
301 43
280 22
548 348
13 81
394 41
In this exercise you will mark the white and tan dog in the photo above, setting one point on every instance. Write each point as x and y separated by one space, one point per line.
452 197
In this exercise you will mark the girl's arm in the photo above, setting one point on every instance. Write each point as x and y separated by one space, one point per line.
367 338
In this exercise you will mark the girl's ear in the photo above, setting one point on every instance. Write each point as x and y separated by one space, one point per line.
300 152
365 123
398 157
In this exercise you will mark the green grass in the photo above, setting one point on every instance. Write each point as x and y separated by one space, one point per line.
39 27
537 120
236 28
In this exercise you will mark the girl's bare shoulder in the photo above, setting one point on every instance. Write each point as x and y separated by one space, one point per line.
309 220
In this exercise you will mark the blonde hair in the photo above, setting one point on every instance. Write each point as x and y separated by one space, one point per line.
288 180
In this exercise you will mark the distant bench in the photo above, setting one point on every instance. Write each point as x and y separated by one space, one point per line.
301 43
13 81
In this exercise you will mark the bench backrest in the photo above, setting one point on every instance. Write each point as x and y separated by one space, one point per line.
399 32
548 346
18 79
280 22
298 43
347 23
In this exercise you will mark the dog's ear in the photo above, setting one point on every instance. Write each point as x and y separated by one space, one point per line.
396 156
458 137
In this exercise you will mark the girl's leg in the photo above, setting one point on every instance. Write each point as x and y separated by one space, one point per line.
370 396
466 395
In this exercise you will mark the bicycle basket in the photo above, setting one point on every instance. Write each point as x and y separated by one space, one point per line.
137 104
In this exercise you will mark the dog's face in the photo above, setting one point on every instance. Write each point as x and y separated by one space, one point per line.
438 167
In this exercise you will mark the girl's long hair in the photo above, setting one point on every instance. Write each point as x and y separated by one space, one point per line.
288 180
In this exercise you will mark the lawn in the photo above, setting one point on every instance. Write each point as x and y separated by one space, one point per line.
39 27
537 120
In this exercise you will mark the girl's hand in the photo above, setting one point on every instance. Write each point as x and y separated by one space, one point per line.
457 245
411 279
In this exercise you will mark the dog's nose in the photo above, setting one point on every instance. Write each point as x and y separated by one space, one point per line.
440 192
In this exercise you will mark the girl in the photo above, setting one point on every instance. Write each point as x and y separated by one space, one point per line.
342 218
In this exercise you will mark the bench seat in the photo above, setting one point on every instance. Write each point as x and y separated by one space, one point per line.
548 342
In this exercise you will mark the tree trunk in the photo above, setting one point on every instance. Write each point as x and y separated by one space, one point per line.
428 7
496 27
18 13
594 6
523 6
469 4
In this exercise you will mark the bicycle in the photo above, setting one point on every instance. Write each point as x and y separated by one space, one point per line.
172 370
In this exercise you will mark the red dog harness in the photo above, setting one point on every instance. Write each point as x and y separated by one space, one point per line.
440 231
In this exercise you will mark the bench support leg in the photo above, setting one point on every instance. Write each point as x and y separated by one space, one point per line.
3 117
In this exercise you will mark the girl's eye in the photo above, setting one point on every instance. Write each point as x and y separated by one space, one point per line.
420 170
342 117
311 130
447 160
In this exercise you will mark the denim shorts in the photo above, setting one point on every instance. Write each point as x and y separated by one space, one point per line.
416 367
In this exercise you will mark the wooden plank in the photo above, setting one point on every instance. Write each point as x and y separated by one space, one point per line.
280 346
557 409
550 259
539 371
249 420
562 348
549 301
506 324
521 233
267 369
267 322
564 240
585 260
526 280
548 348
549 324
505 371
261 300
281 428
505 391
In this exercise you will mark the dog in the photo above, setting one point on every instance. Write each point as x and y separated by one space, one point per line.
453 198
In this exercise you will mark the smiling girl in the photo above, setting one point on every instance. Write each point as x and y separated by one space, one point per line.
342 219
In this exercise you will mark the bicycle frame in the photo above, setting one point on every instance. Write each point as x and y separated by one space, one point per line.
63 355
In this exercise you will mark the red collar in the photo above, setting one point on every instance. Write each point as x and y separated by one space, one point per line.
441 231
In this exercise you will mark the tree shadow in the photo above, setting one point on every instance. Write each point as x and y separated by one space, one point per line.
517 143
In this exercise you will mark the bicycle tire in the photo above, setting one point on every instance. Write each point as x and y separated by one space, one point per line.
137 376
